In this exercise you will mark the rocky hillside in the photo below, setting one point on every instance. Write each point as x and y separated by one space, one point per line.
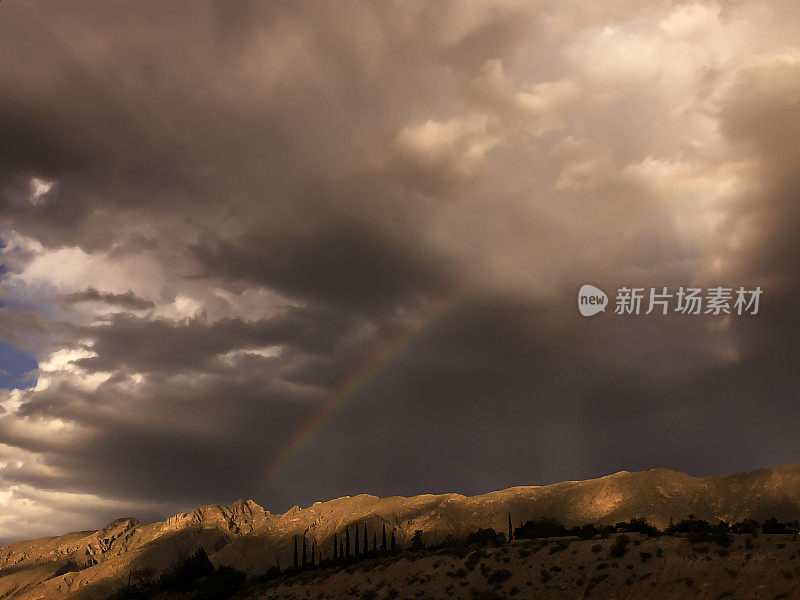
666 568
244 535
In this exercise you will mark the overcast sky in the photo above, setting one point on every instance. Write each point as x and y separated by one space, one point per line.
221 220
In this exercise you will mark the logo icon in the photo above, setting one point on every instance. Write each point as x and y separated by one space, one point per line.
591 300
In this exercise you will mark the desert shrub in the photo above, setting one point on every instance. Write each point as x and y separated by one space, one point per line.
585 532
458 574
620 546
484 594
723 538
541 528
746 526
697 528
473 559
558 547
499 576
773 526
486 537
638 525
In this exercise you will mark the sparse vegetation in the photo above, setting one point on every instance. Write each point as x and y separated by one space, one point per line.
198 579
486 537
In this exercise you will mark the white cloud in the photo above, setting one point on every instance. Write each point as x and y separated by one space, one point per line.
60 366
39 189
72 269
456 146
28 512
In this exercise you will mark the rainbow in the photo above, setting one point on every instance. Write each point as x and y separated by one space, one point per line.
352 383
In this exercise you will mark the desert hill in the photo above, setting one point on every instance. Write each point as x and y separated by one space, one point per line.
250 538
664 568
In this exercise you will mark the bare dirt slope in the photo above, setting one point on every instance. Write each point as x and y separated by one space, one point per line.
245 536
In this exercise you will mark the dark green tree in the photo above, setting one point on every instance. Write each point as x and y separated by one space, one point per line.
486 537
541 528
313 552
335 547
295 552
383 541
305 553
394 542
366 540
746 526
374 542
347 542
355 549
416 541
183 575
772 525
341 549
510 528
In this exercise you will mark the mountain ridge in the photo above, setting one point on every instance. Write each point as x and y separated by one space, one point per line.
245 535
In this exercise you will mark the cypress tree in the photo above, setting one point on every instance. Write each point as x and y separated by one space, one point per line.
313 553
295 552
366 540
510 528
341 549
347 542
335 548
374 542
355 548
305 555
394 543
383 541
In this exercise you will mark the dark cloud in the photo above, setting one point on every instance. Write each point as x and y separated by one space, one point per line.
127 300
351 264
390 204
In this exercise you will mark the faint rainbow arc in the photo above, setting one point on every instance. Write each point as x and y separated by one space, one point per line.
352 383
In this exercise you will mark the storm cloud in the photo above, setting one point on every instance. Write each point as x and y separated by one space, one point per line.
218 218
